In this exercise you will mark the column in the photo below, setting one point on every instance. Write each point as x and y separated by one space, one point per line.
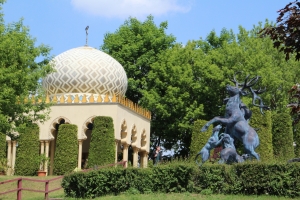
125 154
14 151
42 150
116 149
142 160
9 157
47 155
79 154
42 146
145 159
52 153
135 156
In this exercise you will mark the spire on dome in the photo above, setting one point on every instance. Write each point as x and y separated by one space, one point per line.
86 32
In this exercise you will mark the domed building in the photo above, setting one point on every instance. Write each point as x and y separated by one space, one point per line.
88 83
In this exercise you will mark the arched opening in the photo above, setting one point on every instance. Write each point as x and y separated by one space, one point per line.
123 143
143 141
54 132
133 151
143 151
86 144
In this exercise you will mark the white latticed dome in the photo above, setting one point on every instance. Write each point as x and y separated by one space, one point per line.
86 70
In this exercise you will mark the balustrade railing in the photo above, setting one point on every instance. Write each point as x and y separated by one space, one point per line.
96 98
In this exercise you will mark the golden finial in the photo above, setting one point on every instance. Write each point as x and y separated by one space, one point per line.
83 99
91 99
62 99
69 100
76 100
99 99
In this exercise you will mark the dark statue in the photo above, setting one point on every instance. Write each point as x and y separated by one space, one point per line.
212 143
236 124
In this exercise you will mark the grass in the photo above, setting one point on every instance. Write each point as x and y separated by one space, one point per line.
27 195
183 196
32 185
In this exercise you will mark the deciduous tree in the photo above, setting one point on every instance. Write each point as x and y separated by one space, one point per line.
286 33
184 83
20 75
136 45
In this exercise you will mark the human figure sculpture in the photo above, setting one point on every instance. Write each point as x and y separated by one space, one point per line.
212 143
236 116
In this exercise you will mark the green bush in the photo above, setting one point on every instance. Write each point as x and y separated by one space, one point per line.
210 177
264 125
102 146
66 152
3 150
296 134
199 139
282 134
27 151
173 178
272 179
247 179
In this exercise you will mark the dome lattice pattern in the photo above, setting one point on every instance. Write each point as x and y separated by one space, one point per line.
86 70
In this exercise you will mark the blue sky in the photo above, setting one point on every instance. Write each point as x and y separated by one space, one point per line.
61 23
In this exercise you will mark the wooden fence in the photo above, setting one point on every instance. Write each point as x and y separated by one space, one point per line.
46 191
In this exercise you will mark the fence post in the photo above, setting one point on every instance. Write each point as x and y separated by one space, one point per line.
19 193
46 190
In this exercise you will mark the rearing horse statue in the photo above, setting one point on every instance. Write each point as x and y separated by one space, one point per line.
236 124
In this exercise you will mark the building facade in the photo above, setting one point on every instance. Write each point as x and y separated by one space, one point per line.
89 83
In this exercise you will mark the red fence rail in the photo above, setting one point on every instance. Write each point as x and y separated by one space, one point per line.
46 191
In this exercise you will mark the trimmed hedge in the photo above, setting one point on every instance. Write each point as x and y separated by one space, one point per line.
199 139
66 152
282 136
296 134
3 146
102 146
264 125
245 179
27 151
116 180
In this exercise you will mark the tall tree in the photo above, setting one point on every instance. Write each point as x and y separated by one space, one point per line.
252 55
136 46
20 76
286 33
172 93
186 83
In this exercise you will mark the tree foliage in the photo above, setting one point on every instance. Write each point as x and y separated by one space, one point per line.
66 150
20 76
102 147
296 134
27 151
2 146
286 33
187 82
264 125
294 105
199 139
136 46
282 136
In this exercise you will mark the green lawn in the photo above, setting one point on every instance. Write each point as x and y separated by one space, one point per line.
32 185
26 195
184 196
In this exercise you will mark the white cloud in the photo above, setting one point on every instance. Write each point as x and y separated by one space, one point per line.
134 8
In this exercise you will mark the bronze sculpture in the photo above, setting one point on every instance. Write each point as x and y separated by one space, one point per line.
237 116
